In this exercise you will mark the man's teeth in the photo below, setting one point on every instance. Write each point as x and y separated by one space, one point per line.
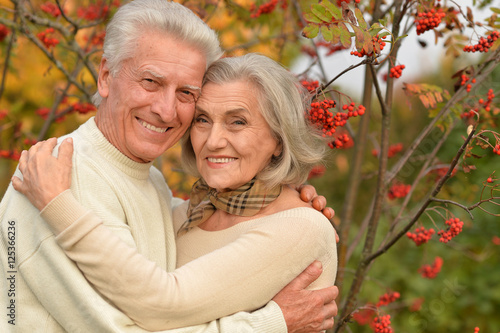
153 128
221 160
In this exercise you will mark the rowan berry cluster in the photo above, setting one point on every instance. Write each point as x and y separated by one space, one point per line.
396 71
378 45
476 329
468 114
441 172
3 114
429 19
393 150
487 103
4 32
464 79
265 8
496 150
95 11
83 108
387 298
10 154
382 324
353 111
320 115
454 228
398 190
339 2
51 9
431 271
311 86
332 48
47 39
317 171
484 44
340 142
420 235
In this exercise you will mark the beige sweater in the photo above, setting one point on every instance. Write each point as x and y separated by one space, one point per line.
237 269
50 294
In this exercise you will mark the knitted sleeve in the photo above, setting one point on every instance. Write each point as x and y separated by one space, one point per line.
241 276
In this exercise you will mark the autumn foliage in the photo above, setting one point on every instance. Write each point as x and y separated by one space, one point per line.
411 169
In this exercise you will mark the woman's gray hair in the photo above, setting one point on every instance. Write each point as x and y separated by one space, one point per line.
282 103
138 17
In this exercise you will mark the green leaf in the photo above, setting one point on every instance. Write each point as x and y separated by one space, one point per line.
374 32
345 36
327 33
310 17
495 10
310 31
334 10
321 12
360 18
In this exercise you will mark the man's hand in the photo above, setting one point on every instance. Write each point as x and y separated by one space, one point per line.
307 311
44 176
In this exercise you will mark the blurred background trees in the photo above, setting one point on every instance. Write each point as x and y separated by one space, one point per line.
406 94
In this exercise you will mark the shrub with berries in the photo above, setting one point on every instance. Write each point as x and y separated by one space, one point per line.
454 228
4 32
388 298
382 324
396 71
398 190
431 271
378 46
428 19
266 8
420 235
484 44
324 119
47 39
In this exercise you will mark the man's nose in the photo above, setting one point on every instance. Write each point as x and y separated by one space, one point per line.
165 106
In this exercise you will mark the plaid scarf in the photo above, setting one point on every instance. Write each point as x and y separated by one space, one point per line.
246 200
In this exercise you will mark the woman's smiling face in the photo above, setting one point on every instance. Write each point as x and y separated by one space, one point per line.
231 139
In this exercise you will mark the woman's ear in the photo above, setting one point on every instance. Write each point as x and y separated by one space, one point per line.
103 80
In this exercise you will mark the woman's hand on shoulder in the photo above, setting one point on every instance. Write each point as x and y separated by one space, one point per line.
44 176
308 194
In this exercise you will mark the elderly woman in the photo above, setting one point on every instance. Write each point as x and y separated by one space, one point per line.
245 233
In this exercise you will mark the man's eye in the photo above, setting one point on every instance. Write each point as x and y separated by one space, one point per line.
186 96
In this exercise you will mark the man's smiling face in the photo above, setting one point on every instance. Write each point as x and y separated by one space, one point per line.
149 104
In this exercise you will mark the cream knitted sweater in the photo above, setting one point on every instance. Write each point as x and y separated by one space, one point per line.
49 292
236 269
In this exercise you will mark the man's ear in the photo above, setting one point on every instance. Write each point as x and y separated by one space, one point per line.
104 79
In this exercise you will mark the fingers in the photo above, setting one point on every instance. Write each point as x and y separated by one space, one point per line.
47 146
307 192
17 183
308 276
66 151
319 202
329 213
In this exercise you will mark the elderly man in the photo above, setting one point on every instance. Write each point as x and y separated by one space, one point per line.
150 75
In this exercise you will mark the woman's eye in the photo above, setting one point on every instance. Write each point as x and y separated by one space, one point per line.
239 122
201 120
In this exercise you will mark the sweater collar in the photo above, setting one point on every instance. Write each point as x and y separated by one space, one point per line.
112 154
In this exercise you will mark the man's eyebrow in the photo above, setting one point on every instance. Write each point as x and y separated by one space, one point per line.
158 76
191 87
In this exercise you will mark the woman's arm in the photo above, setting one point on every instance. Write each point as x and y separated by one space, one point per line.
242 276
